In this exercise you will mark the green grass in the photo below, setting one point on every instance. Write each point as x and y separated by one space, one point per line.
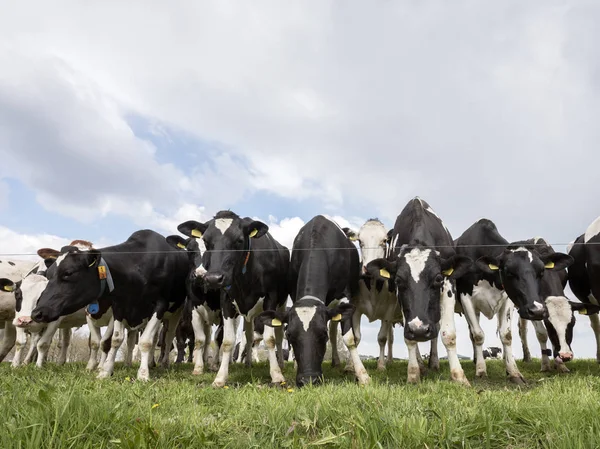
64 407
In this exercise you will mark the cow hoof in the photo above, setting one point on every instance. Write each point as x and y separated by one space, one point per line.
198 372
381 367
363 380
545 368
214 368
527 358
434 367
518 380
413 380
462 381
349 368
103 375
561 368
218 384
481 373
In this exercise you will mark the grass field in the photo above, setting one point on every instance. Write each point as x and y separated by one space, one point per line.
65 407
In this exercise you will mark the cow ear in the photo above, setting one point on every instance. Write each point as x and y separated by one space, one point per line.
48 253
255 229
342 312
557 261
176 241
6 285
456 266
487 264
389 235
272 318
93 257
352 236
382 269
584 309
192 228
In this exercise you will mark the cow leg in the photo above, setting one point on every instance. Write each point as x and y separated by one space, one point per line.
106 343
382 337
477 334
356 329
226 348
504 329
359 370
199 343
118 331
274 369
131 336
147 346
390 343
190 350
524 342
335 357
250 340
10 335
542 335
44 342
434 359
65 339
448 331
414 371
153 344
422 368
170 335
32 353
20 342
181 343
278 342
595 324
94 343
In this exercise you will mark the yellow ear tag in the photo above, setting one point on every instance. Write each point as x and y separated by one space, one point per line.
9 288
253 233
338 317
583 312
384 273
549 265
275 322
102 272
493 267
448 272
196 233
353 238
180 245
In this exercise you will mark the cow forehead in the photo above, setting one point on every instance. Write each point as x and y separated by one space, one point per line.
416 259
305 315
525 251
372 231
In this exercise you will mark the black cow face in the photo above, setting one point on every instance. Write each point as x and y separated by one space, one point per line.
227 240
74 283
520 271
194 280
307 333
419 275
560 323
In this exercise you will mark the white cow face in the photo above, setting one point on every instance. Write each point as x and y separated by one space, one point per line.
27 298
372 237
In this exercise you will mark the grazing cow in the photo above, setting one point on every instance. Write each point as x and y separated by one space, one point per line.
502 271
144 278
584 275
249 268
324 268
559 324
374 299
423 267
12 271
492 352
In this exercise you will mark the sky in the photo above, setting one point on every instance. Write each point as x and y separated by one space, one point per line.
118 116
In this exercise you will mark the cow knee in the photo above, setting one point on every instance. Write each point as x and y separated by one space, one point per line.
449 339
349 339
478 337
506 337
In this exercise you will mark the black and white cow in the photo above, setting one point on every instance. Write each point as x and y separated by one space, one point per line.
584 275
324 268
423 266
375 299
249 268
11 272
502 271
492 352
559 324
144 277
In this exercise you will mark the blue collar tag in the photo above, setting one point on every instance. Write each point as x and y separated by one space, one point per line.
93 308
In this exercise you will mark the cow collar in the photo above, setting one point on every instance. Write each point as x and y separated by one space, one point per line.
106 280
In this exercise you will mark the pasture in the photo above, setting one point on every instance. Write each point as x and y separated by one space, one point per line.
66 407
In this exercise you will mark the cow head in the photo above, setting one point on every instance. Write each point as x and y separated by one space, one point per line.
419 274
227 239
192 247
372 238
306 323
73 283
560 323
520 271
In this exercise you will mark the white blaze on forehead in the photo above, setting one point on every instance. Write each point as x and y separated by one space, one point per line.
371 235
223 224
60 258
523 249
592 231
416 260
32 288
306 314
559 314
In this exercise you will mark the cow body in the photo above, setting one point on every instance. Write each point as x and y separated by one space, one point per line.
584 274
148 284
248 268
504 276
423 267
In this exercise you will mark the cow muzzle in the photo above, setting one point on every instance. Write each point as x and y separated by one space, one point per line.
566 356
214 279
308 379
22 321
533 312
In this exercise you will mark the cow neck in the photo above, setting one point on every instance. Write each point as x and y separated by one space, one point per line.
244 269
106 281
247 257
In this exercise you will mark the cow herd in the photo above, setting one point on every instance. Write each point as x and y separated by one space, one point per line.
231 268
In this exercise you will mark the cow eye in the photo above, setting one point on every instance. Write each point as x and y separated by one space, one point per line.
438 280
